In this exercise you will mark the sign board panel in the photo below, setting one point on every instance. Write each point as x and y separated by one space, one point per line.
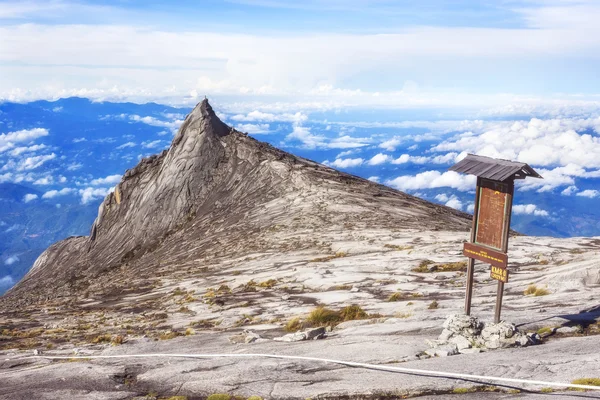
499 274
485 254
492 214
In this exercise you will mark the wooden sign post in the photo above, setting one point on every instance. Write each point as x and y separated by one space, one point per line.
491 218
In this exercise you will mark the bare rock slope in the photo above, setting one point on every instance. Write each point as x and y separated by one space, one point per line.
215 192
223 244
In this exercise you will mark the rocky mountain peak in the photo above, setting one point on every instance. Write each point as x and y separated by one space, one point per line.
215 192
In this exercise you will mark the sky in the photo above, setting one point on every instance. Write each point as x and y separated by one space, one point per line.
467 55
394 91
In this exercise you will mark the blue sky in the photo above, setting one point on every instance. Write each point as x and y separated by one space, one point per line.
396 91
377 53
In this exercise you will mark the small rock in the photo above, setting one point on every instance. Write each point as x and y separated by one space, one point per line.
354 289
472 350
568 329
446 334
461 342
36 352
310 334
285 297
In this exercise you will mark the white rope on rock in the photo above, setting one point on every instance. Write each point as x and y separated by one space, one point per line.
340 362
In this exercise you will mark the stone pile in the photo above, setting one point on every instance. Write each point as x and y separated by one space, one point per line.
465 334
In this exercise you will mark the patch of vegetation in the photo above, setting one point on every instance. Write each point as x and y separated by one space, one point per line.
293 325
535 291
397 297
545 331
189 332
268 283
169 335
397 247
453 266
342 287
339 254
547 390
353 312
463 390
585 381
403 315
433 305
178 292
224 289
236 272
423 266
203 324
324 316
219 396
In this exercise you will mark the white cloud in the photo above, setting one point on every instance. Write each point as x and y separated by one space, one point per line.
591 193
27 149
471 208
54 193
79 140
29 197
11 260
434 179
454 202
529 209
375 179
34 162
172 125
379 159
90 194
74 166
545 143
344 162
6 281
46 180
109 180
391 144
125 145
153 144
259 116
253 128
442 197
569 190
9 140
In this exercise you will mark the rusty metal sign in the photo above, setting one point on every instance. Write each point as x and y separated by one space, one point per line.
492 214
499 274
485 254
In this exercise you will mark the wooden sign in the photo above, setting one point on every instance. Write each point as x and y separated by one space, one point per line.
492 214
485 254
499 274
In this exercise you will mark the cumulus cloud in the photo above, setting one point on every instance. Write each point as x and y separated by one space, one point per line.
54 193
6 281
391 144
379 159
344 162
454 202
27 149
79 140
29 197
375 179
259 116
173 125
569 190
590 193
434 179
34 162
109 180
253 128
9 140
545 143
125 145
529 209
90 194
153 144
11 260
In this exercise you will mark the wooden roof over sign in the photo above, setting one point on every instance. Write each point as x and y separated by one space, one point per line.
493 168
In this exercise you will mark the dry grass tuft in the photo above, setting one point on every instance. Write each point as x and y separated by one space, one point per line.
535 291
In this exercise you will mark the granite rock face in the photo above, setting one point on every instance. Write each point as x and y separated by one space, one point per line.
203 197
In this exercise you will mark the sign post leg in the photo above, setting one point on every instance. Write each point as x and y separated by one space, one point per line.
499 301
469 294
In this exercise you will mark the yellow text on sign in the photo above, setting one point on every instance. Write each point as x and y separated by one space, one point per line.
499 274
